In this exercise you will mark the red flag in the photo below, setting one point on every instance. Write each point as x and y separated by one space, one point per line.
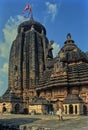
27 10
28 7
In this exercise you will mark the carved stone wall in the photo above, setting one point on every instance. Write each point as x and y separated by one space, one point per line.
27 61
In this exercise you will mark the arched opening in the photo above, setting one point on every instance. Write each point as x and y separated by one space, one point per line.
25 111
71 109
17 108
84 110
4 109
50 109
45 109
75 109
65 109
38 93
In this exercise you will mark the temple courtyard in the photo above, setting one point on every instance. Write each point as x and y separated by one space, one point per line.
42 122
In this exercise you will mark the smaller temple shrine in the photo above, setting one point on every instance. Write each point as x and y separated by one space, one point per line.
39 105
11 103
73 104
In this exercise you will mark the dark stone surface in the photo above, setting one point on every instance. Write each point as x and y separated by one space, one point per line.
72 98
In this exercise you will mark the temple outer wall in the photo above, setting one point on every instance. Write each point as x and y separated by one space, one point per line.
9 107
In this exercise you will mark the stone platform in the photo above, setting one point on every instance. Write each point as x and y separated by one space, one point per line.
42 122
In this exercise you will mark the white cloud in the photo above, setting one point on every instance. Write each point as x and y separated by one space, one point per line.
56 49
52 9
9 33
4 68
3 78
3 86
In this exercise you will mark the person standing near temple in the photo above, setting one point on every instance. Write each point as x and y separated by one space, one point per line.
60 110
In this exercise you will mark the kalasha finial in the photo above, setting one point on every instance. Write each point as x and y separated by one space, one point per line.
68 36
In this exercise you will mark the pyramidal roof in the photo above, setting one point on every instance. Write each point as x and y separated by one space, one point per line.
10 96
72 98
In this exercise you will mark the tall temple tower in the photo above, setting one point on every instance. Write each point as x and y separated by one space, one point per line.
28 57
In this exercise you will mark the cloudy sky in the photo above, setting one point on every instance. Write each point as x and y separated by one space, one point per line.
58 16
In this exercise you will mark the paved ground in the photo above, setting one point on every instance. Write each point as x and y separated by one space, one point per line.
46 121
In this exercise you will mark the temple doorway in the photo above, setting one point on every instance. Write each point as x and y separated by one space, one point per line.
84 110
65 109
4 109
70 109
17 108
50 109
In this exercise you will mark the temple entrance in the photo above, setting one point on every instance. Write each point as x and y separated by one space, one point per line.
75 109
84 110
25 111
71 109
4 109
65 109
17 108
50 109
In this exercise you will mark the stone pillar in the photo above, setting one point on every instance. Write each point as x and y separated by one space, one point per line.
78 109
68 109
64 109
74 109
81 109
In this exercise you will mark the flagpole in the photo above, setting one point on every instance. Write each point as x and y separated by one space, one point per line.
31 16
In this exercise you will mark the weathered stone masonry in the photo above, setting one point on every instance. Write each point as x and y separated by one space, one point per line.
33 72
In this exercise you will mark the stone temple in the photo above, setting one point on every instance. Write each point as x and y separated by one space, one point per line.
37 81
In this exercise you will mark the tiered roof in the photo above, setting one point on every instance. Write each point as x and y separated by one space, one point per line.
72 98
74 69
9 96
